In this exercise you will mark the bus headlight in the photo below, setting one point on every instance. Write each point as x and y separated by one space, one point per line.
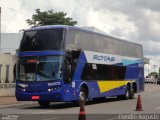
22 89
23 85
49 90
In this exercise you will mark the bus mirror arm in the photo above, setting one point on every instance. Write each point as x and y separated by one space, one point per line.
67 78
68 72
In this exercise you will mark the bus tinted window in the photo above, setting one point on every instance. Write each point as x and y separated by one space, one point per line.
139 51
103 72
43 40
77 39
70 40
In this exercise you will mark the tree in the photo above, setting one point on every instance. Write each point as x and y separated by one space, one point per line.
50 18
154 74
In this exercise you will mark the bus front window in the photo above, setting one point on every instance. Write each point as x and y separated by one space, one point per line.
38 40
43 68
49 68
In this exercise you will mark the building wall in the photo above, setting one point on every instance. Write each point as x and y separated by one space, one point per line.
7 83
10 42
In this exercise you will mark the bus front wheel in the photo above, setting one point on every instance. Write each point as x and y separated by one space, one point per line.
44 103
83 95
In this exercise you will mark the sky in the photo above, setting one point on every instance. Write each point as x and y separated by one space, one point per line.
133 20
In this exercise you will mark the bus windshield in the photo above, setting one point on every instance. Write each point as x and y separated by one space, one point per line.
43 68
48 39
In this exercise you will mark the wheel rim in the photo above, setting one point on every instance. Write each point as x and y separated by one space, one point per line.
82 96
127 92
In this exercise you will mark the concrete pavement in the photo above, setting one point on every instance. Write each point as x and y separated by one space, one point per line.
95 109
152 93
8 100
12 102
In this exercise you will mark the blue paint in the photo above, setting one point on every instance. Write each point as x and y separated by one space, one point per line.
129 62
41 53
66 92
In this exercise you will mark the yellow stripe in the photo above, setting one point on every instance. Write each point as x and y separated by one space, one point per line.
105 86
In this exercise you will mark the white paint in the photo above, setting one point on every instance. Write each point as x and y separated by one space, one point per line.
46 112
51 118
117 59
114 118
94 66
156 94
157 108
73 85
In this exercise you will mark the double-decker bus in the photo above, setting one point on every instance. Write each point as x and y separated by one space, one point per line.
58 63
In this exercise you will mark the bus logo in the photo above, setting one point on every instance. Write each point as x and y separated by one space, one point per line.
103 58
54 83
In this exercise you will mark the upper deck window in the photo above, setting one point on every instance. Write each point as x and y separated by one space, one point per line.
48 39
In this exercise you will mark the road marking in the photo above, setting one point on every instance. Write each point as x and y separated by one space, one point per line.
156 94
115 118
50 119
151 90
45 112
157 108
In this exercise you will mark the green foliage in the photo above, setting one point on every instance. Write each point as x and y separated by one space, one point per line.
50 18
154 74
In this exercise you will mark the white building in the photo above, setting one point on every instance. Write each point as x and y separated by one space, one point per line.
10 42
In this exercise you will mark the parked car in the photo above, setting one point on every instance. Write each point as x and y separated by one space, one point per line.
150 79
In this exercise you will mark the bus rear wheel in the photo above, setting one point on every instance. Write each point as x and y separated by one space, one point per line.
128 94
44 103
132 93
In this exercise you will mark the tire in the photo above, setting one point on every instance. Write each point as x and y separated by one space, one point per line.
127 94
83 95
44 103
132 92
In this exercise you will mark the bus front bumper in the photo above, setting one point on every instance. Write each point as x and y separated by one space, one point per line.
38 96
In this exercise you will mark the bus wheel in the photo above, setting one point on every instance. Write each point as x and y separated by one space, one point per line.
126 95
44 103
83 95
131 93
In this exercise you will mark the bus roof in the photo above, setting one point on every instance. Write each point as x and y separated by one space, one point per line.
79 29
